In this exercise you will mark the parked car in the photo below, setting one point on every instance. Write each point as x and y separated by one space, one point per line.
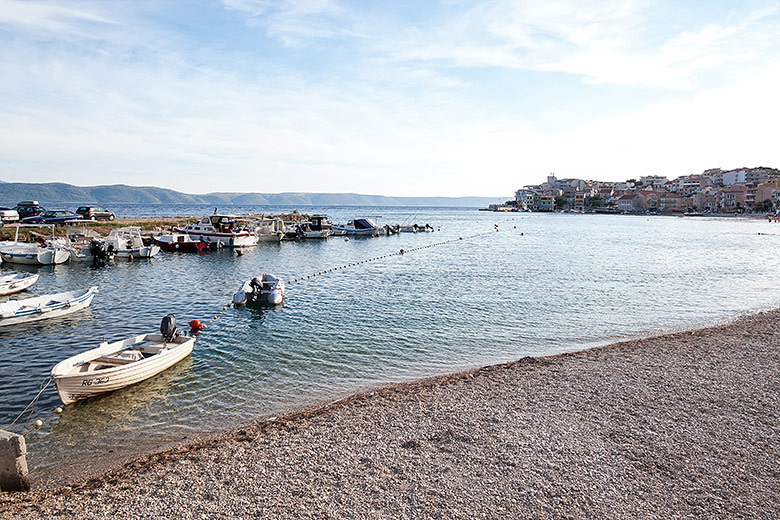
29 208
95 213
52 217
8 215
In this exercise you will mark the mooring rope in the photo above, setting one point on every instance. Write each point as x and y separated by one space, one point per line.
32 403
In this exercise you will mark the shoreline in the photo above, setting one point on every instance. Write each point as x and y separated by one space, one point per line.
542 384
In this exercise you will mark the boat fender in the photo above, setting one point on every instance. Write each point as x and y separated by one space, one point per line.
240 297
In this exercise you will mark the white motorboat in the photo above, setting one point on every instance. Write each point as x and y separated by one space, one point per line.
32 254
267 229
112 366
127 241
361 227
45 307
316 227
220 229
16 282
267 289
48 253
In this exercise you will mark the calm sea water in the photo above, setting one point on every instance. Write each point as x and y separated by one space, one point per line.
544 284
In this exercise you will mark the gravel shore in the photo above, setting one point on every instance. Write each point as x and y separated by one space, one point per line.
676 426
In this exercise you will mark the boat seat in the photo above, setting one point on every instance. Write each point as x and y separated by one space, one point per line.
120 358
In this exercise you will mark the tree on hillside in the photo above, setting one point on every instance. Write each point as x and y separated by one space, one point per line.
632 181
594 201
560 201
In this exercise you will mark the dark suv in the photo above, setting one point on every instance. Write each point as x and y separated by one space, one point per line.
29 208
95 213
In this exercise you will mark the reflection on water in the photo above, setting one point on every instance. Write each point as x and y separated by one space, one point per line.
568 281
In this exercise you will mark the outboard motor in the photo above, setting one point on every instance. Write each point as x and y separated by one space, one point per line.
168 328
98 251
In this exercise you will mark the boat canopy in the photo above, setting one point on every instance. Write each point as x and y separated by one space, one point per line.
364 223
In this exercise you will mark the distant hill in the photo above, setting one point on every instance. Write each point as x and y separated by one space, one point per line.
61 193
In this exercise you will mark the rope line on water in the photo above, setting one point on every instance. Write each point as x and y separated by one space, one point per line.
382 257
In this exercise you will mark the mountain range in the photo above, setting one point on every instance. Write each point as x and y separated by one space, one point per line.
61 193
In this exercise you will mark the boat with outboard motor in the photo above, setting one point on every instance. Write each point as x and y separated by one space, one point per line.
182 243
220 229
361 227
127 241
316 227
46 306
16 282
112 366
266 289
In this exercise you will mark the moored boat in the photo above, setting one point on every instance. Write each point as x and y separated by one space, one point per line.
316 227
33 254
45 307
181 242
16 282
112 366
220 229
266 289
361 227
267 229
127 241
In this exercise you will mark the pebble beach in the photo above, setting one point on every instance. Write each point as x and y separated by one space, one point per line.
676 426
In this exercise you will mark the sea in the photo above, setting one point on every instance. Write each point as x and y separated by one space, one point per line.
482 288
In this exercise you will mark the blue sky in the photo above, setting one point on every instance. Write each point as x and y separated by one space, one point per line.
400 98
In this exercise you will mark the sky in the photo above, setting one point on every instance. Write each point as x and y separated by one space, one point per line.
400 98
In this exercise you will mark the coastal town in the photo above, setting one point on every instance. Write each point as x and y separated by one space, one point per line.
743 190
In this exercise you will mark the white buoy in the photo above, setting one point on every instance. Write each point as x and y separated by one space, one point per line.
58 410
346 239
38 423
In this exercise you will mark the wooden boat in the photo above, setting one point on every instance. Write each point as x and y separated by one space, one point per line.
112 366
16 282
45 307
127 241
265 290
181 242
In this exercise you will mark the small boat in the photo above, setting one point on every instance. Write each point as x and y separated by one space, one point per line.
33 254
361 227
316 227
414 228
45 307
181 242
267 289
48 253
16 282
220 229
112 366
267 229
127 241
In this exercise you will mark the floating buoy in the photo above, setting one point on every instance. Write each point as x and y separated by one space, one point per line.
402 251
130 258
58 410
196 325
239 252
346 239
38 423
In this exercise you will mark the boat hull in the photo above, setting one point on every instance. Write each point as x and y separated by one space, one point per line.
182 247
223 239
142 252
30 314
15 285
82 385
35 257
